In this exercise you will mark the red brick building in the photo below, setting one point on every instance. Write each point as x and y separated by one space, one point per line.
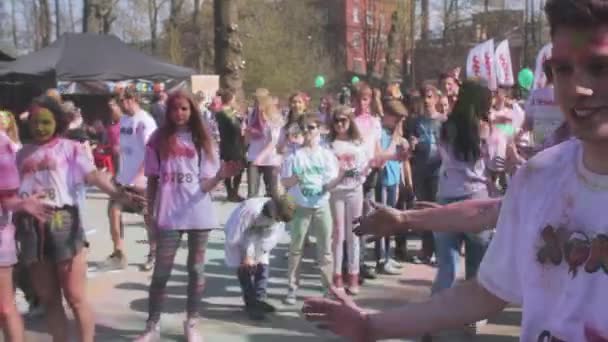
361 28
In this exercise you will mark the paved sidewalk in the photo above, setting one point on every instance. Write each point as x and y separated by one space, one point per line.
120 298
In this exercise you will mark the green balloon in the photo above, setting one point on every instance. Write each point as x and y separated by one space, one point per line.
355 80
319 81
526 78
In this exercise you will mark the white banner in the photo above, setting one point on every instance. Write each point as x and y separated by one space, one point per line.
540 80
480 63
504 67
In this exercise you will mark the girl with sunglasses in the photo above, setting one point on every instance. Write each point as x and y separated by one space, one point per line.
347 198
309 174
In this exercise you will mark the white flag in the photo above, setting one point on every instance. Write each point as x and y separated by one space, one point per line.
480 63
540 80
504 67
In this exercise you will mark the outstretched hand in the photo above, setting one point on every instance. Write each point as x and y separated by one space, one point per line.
382 221
229 169
340 315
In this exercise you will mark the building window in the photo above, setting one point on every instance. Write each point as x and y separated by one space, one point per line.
356 15
369 18
357 42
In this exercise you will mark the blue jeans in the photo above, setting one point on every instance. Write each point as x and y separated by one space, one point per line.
447 248
253 283
386 195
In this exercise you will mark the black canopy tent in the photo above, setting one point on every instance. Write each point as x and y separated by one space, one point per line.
89 57
80 57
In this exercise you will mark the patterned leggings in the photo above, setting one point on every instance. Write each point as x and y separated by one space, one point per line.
168 241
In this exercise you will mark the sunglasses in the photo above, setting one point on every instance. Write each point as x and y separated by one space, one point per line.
341 121
309 128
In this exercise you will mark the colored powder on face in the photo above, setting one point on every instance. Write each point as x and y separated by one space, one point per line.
5 119
43 124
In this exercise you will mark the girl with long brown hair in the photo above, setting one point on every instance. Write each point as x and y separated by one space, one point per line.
182 167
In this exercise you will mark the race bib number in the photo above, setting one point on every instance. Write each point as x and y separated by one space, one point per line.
49 194
177 177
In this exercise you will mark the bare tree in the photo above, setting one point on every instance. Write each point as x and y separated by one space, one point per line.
14 24
373 42
57 19
44 22
71 14
98 15
391 68
173 31
425 22
196 12
154 7
228 46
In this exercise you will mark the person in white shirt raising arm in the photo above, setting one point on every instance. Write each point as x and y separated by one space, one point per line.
550 250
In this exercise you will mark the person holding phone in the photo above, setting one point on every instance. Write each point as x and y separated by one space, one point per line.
346 199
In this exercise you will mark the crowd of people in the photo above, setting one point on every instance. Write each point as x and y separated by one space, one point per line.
364 168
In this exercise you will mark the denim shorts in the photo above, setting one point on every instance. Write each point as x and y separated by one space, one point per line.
59 239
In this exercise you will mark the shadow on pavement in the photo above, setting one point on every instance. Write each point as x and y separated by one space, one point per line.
222 298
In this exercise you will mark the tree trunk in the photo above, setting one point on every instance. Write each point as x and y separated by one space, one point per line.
391 69
425 21
98 16
173 31
228 46
86 10
45 23
14 24
71 13
57 19
196 12
153 18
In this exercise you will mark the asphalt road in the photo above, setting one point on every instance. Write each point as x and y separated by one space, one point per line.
120 298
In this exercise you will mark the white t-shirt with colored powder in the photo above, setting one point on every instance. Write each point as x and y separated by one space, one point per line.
351 156
9 182
134 134
314 168
57 169
180 202
550 251
544 112
371 130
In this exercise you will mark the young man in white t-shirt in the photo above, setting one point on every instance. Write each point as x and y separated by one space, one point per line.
136 126
550 251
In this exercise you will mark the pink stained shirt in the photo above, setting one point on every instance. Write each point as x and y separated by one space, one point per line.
56 168
180 202
9 182
371 130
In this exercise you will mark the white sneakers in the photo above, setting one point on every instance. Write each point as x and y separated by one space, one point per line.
152 333
191 332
